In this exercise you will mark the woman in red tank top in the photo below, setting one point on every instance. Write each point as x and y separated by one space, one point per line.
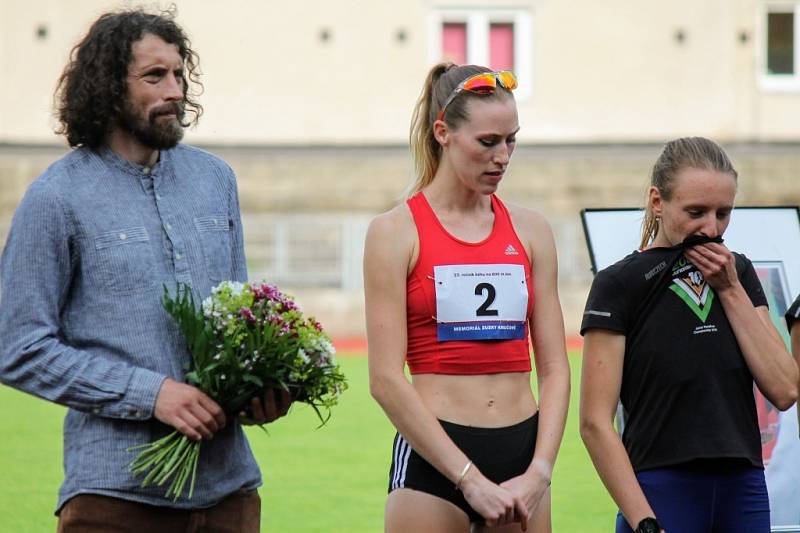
450 281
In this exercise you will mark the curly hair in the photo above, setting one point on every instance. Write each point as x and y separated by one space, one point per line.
93 88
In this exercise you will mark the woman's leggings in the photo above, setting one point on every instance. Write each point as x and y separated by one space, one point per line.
689 500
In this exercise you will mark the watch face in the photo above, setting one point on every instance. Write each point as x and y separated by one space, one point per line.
649 525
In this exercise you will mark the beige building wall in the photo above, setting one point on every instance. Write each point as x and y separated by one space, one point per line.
611 71
324 123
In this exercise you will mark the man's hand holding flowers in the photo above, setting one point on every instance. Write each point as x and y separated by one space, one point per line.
189 410
252 354
265 409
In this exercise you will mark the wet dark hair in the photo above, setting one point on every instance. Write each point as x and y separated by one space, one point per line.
442 79
93 88
678 154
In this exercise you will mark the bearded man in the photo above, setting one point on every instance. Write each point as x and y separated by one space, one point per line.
128 211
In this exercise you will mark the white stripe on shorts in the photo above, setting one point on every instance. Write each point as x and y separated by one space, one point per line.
404 470
400 461
395 460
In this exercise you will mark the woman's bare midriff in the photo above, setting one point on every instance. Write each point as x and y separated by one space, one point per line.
488 400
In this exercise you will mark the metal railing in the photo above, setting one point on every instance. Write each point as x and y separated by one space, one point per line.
306 250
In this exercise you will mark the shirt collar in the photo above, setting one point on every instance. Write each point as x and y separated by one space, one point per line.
110 157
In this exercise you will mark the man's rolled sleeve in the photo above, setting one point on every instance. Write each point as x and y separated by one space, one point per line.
139 400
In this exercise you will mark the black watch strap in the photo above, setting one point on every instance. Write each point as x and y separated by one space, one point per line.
648 525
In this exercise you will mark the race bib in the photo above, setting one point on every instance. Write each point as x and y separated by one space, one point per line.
480 302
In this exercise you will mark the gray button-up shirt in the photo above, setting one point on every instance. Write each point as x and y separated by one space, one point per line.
91 248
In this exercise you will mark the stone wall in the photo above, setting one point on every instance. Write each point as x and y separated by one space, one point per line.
356 181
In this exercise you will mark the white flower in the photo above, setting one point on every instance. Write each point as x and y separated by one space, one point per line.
236 287
324 346
302 354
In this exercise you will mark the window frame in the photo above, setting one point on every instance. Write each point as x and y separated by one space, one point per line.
478 21
778 82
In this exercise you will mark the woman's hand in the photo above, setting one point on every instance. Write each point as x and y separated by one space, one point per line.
716 263
764 350
496 504
530 487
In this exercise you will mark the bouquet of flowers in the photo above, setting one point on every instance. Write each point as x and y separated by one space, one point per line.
244 339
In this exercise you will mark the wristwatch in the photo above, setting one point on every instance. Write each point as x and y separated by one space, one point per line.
648 525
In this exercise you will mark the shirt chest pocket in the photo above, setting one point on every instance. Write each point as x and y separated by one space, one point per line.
125 259
215 240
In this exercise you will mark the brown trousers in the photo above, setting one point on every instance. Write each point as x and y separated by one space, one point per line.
91 513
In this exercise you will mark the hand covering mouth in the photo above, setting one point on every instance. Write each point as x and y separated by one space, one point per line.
695 240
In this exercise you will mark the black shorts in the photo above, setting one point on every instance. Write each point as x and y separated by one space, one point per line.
499 453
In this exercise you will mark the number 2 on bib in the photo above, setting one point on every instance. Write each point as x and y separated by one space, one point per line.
484 310
480 302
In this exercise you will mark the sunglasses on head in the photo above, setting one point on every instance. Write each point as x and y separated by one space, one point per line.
482 83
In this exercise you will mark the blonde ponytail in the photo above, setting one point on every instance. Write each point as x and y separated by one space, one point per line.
425 149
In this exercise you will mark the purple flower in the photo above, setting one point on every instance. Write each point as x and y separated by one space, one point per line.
288 305
248 315
265 291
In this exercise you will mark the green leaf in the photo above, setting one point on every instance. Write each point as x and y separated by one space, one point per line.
251 378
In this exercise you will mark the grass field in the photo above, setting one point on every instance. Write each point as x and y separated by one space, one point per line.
327 480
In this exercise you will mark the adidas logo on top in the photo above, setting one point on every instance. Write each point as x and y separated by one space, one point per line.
510 250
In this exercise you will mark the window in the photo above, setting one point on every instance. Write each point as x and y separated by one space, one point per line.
781 47
780 43
498 39
501 46
454 42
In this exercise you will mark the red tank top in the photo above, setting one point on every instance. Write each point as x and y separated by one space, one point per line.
500 254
